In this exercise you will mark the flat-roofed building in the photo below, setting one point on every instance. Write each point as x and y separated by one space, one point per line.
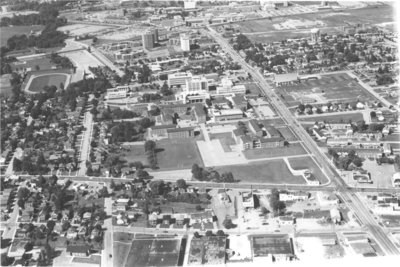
285 79
176 133
179 79
274 247
227 114
185 42
160 130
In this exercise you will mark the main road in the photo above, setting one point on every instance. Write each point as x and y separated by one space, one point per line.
351 198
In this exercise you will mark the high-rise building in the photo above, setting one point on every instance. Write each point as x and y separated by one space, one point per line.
315 35
155 32
185 42
148 40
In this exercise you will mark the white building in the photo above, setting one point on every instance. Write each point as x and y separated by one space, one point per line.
227 87
197 83
396 179
185 42
179 78
190 4
117 92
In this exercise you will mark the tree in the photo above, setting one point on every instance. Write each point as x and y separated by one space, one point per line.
5 260
220 233
264 210
28 246
149 146
277 206
142 174
199 208
53 180
103 192
65 226
50 225
209 233
181 183
196 235
228 224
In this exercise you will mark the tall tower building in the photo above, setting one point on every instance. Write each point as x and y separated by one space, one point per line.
148 40
155 32
185 42
315 35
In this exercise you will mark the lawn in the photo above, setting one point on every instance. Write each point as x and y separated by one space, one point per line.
179 207
271 171
153 253
308 163
293 149
253 88
123 237
7 32
120 253
340 118
43 63
38 83
135 153
177 154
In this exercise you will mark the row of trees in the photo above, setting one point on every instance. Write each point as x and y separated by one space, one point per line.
203 175
150 150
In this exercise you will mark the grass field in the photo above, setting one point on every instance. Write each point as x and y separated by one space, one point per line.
136 153
308 163
293 149
153 253
253 88
177 154
334 87
38 83
7 32
43 63
271 171
354 117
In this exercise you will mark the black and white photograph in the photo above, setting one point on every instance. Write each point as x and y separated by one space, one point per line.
155 133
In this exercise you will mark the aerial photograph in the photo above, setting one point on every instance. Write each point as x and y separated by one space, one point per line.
138 133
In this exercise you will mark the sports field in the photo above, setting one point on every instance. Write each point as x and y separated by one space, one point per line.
308 163
153 252
37 83
333 87
271 171
175 154
135 153
291 150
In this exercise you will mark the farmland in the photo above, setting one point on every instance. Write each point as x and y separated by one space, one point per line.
271 171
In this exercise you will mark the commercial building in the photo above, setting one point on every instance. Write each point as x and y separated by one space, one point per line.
185 42
197 83
285 79
274 247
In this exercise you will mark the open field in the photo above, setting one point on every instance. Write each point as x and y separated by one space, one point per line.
82 29
177 154
308 163
7 32
38 82
42 62
264 31
120 253
332 87
293 149
152 252
135 153
354 117
271 171
5 85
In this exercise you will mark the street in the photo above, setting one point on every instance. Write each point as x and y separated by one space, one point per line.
348 196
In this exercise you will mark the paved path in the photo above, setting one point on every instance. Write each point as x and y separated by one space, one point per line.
106 260
85 146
